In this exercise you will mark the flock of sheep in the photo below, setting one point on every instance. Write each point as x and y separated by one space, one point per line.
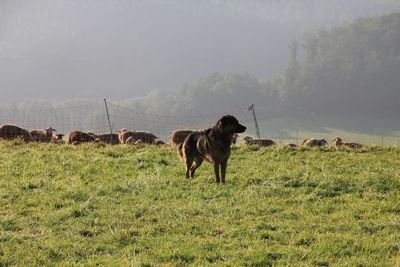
310 142
131 137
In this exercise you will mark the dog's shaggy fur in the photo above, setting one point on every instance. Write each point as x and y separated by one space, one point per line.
214 145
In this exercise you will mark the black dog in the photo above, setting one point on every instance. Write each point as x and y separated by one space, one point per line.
213 145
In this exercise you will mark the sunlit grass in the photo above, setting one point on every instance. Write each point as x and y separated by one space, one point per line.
95 204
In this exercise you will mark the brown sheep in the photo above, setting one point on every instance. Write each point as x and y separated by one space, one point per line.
120 134
234 138
290 145
314 142
305 141
260 141
109 138
178 136
42 135
57 139
10 131
146 137
77 137
130 141
338 142
158 142
138 142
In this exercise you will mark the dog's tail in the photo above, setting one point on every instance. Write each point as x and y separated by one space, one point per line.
180 150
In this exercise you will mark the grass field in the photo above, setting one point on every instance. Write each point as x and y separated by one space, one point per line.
101 205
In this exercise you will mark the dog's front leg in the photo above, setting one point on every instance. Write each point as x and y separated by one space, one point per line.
216 171
223 170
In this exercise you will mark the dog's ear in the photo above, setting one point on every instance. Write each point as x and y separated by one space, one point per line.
226 120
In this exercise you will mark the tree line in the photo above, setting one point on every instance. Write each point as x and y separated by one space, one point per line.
350 70
347 70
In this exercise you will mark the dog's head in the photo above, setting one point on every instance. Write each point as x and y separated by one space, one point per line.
230 124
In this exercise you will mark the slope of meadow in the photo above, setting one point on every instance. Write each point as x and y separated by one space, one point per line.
96 204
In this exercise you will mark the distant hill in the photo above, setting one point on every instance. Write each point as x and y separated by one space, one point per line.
123 49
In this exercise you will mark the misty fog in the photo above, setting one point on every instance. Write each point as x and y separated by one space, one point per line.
61 49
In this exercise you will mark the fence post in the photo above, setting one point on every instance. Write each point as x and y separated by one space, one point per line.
108 118
255 119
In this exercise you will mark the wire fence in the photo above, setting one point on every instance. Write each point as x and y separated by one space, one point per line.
93 117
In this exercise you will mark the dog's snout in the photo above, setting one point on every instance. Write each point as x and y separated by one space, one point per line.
240 128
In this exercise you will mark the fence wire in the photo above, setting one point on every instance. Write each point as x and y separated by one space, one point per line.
93 117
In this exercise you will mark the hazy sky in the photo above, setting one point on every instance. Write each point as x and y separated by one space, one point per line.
120 49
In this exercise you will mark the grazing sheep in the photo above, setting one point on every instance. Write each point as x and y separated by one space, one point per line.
304 141
235 136
42 135
57 139
146 137
260 141
109 138
98 140
10 131
92 134
158 142
138 142
130 141
314 142
338 142
120 134
178 136
290 145
81 137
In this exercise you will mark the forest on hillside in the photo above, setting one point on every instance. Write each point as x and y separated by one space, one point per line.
347 70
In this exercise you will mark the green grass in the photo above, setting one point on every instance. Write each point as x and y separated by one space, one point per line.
103 205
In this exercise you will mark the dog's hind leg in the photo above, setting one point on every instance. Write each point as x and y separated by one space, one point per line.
197 163
216 171
223 170
189 163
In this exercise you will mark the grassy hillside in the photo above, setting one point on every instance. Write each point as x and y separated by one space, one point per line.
94 204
